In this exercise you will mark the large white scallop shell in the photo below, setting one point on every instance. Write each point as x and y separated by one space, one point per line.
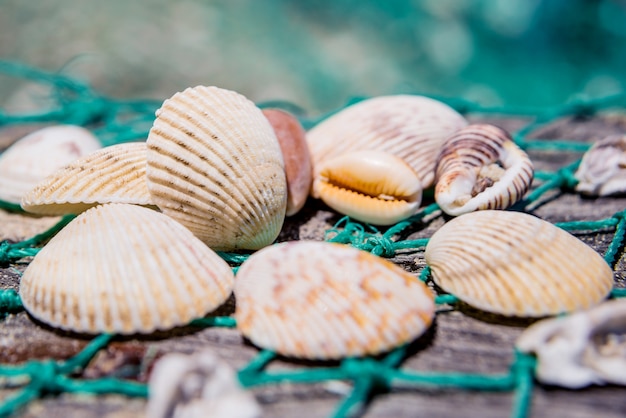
602 171
318 300
480 167
199 385
120 268
39 154
581 349
370 186
115 174
215 166
515 264
410 127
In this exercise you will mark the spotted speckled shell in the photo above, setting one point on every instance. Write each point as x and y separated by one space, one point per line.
115 174
215 166
298 166
318 300
124 269
602 171
515 264
410 127
480 167
370 186
39 154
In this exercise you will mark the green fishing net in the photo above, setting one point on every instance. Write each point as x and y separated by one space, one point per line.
115 121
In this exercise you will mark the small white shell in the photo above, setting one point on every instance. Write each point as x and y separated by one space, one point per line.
602 171
39 154
318 300
115 174
409 127
199 385
124 269
515 264
584 348
480 167
370 186
215 166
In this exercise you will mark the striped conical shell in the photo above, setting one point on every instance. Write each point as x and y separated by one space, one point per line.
124 269
410 127
38 155
318 300
480 167
215 166
515 264
115 174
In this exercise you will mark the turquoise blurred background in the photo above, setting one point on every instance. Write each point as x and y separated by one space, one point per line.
318 54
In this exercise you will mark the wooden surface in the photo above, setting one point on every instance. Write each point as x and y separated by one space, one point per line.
460 340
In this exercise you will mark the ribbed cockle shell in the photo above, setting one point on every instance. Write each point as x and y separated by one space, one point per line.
39 154
115 174
602 171
370 186
480 167
515 264
120 268
215 166
318 300
409 127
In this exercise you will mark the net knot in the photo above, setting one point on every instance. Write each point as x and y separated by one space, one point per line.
44 375
10 300
5 247
380 246
365 369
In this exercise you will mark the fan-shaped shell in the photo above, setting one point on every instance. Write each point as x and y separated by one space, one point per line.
410 127
515 264
215 166
480 167
298 166
370 186
318 300
124 269
115 174
602 171
39 154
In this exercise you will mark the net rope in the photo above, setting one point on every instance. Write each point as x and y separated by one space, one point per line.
116 121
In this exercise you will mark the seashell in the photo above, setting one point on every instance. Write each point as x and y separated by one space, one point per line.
115 174
515 264
120 268
480 167
215 166
39 154
318 300
602 171
298 167
370 186
199 385
409 127
584 348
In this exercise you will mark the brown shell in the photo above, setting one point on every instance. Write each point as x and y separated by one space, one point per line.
298 166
